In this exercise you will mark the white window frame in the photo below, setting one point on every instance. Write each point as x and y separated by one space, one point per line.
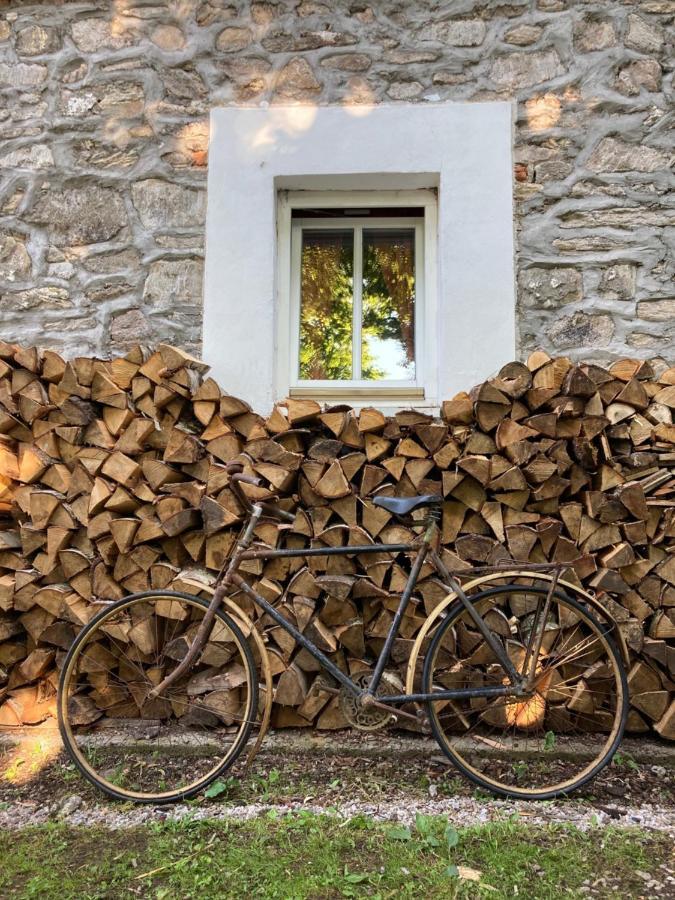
423 391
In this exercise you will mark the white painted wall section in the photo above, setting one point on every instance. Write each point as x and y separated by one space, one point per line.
463 149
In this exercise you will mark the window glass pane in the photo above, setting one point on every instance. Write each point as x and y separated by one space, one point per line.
326 303
388 329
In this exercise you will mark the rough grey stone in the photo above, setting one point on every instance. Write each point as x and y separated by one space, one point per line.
546 288
244 68
232 39
123 99
618 282
643 36
657 310
92 35
642 73
581 330
117 261
213 11
15 261
119 100
129 328
347 62
96 155
297 81
457 33
614 155
641 341
33 156
552 170
108 289
36 39
520 69
174 282
44 297
287 42
163 205
69 805
591 35
465 33
80 215
184 83
523 35
405 90
618 217
64 270
401 57
263 13
22 75
168 37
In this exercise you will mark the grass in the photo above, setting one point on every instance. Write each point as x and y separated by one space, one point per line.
308 856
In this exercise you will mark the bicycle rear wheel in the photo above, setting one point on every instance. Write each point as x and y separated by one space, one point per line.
565 731
171 747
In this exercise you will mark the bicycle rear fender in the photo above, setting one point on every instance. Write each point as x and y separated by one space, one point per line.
581 595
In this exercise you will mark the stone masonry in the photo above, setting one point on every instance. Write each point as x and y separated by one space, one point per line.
104 134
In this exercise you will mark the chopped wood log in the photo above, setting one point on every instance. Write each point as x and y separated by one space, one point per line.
112 480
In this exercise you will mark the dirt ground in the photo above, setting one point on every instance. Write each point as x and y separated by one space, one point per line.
386 774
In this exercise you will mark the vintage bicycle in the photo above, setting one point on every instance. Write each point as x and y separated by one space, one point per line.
520 675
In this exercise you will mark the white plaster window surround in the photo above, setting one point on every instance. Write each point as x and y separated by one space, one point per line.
460 151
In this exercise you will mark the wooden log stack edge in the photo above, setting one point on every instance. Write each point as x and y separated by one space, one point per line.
112 481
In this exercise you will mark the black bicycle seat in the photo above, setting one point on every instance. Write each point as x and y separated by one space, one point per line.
401 506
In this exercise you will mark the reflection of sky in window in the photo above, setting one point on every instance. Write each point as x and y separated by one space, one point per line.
388 356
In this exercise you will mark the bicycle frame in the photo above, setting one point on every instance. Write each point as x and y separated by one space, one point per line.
424 549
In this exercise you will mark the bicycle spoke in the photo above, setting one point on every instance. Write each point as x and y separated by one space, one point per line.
525 745
134 746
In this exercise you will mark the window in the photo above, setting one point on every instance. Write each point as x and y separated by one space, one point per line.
357 307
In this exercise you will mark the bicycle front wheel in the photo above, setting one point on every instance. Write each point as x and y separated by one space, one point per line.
562 733
171 747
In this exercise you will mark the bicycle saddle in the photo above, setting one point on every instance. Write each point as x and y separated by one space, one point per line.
401 506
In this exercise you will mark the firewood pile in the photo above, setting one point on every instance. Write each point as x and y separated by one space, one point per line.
112 481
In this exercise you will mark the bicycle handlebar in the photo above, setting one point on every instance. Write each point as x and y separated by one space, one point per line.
235 471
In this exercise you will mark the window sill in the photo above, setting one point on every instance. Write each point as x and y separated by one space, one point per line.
388 400
360 392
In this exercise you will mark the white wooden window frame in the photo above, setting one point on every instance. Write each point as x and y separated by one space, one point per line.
424 388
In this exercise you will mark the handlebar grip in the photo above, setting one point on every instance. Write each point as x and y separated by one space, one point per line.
233 467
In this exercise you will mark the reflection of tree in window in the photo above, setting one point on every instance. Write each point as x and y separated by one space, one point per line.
327 275
326 311
388 345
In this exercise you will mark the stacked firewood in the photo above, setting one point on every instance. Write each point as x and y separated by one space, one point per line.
113 481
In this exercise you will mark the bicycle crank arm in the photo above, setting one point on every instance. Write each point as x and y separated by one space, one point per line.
369 700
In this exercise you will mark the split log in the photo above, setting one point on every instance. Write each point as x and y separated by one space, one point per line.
112 480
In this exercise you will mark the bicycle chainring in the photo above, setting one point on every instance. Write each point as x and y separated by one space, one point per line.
369 718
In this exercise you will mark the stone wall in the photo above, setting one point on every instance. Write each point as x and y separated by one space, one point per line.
104 125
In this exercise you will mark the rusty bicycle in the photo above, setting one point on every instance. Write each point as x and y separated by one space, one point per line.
518 672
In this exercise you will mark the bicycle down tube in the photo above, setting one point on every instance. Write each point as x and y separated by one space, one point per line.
244 551
424 551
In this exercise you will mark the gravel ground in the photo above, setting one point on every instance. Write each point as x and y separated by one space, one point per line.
461 811
388 777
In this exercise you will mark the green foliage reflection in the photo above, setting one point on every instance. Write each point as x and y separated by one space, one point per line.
327 278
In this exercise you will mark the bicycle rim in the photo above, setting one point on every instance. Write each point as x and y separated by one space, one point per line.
168 748
560 736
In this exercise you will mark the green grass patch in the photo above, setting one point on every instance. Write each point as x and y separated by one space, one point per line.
308 856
